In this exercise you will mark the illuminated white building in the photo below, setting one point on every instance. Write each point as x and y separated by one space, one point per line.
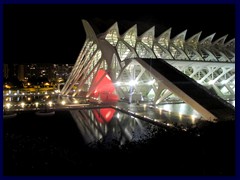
108 68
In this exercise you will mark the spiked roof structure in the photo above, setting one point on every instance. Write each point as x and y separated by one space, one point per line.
211 64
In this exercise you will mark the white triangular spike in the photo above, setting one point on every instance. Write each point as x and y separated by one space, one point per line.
230 43
89 30
112 34
221 40
207 40
179 39
148 37
180 35
164 38
195 38
133 28
149 31
166 33
113 27
130 35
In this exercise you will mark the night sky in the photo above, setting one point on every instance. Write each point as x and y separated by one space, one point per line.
54 33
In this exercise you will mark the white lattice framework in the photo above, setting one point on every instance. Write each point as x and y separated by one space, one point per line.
211 64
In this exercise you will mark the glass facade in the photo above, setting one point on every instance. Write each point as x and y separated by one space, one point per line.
211 64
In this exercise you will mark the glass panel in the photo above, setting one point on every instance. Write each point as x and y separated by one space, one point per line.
131 36
192 54
160 53
122 50
177 54
143 52
112 37
148 39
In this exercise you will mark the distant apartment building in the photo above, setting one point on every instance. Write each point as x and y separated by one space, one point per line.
52 72
5 71
13 70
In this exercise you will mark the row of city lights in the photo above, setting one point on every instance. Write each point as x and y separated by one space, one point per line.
23 104
38 93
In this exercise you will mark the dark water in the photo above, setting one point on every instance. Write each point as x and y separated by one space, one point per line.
53 145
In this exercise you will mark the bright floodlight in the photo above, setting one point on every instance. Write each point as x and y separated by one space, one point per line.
211 82
118 83
151 82
133 82
8 105
50 103
22 104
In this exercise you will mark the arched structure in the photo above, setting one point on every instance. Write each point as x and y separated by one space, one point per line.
211 64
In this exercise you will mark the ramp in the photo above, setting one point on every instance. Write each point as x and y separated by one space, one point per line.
210 106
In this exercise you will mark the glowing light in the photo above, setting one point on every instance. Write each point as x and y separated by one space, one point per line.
118 115
211 82
118 83
151 82
36 104
50 103
22 104
29 99
8 105
7 86
63 102
107 76
224 82
180 116
160 110
193 117
133 82
144 106
60 80
75 101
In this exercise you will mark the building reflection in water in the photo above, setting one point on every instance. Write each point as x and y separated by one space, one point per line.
108 125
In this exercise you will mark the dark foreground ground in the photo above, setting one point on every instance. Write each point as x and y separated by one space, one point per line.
54 146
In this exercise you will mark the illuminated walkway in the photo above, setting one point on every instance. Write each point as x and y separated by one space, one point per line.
145 112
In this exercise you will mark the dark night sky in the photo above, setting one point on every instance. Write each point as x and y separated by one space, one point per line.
54 33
